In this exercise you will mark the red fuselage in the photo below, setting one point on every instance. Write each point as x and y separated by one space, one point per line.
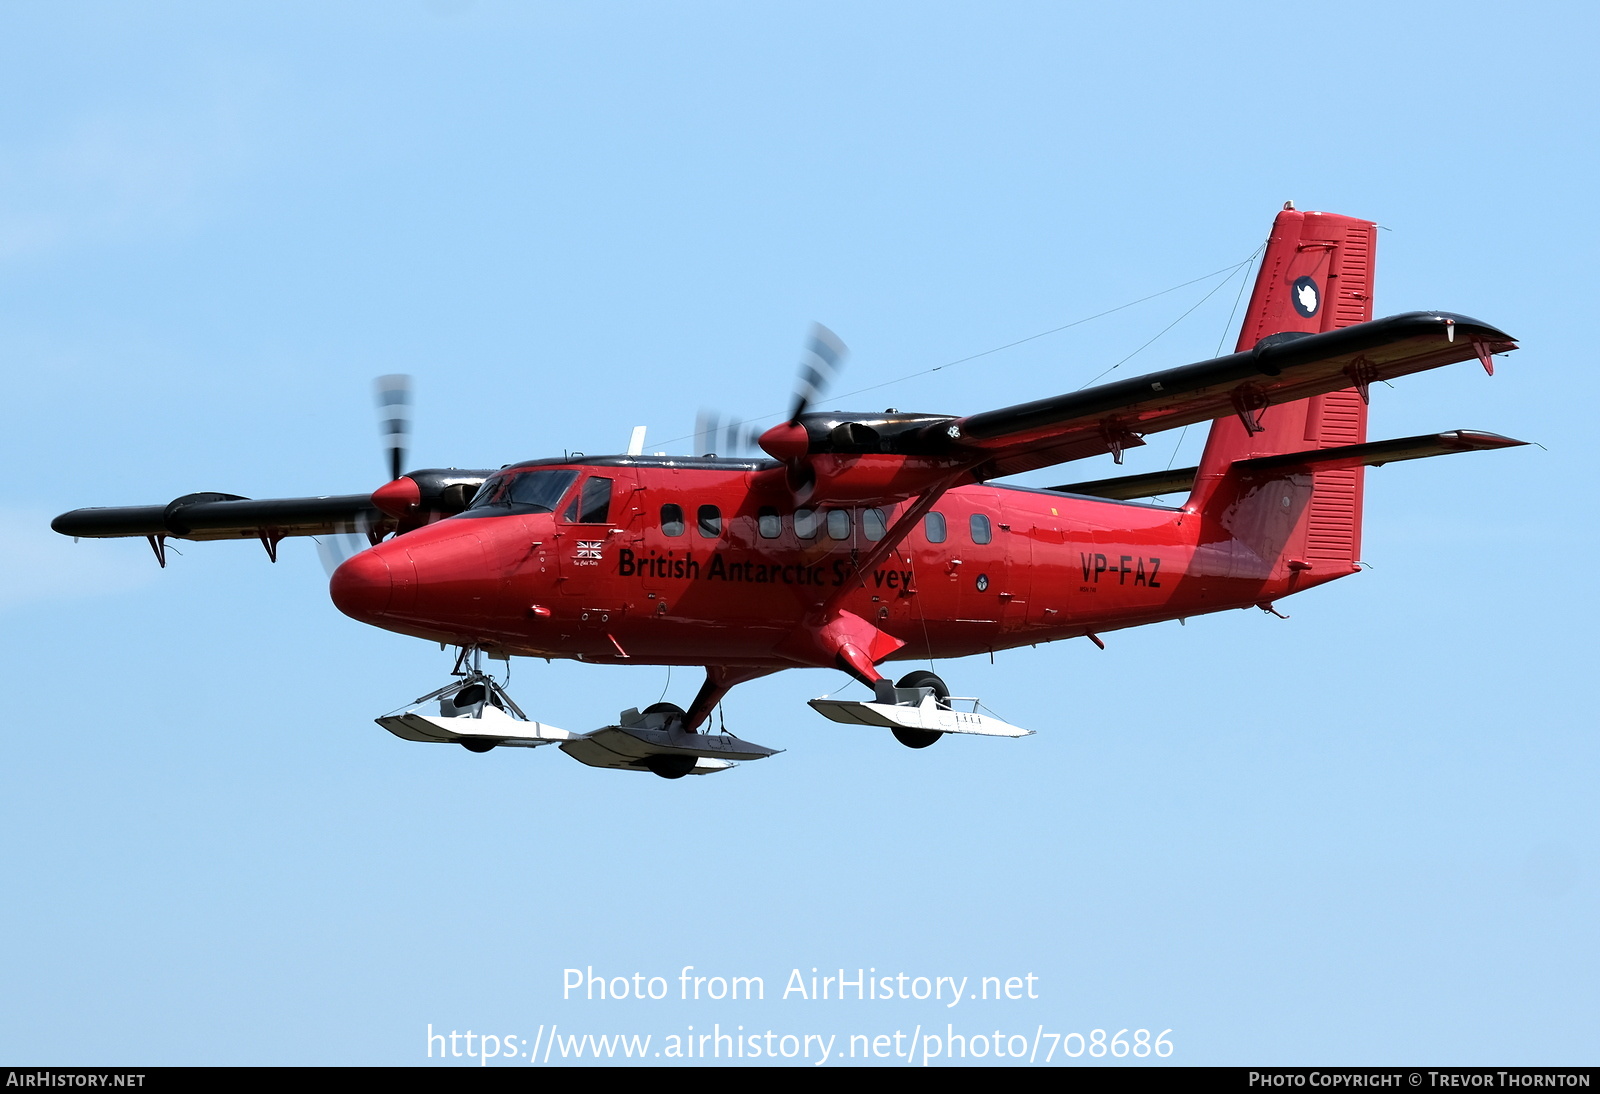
706 561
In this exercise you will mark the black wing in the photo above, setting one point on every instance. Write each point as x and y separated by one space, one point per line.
1280 369
208 516
229 516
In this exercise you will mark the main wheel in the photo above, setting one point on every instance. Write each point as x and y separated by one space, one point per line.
670 767
922 738
666 708
477 744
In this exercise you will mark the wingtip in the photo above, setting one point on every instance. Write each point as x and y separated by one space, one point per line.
1482 439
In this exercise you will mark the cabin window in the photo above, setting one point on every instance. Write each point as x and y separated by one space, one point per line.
769 523
981 532
671 520
838 524
933 527
708 521
807 523
872 524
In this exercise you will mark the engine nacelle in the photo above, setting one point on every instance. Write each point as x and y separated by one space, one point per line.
421 497
862 458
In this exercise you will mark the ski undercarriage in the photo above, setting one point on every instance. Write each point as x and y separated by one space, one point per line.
475 711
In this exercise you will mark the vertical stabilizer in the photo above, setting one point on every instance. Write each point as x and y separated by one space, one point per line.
1316 275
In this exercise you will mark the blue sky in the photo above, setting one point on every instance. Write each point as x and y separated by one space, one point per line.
1362 835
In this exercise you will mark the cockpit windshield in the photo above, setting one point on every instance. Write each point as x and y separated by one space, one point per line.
521 492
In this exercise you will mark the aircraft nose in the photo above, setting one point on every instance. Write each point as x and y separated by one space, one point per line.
362 586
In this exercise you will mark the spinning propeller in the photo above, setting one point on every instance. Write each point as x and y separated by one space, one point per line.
392 395
394 419
819 367
732 437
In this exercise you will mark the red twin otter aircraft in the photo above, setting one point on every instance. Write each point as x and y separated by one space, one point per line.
868 538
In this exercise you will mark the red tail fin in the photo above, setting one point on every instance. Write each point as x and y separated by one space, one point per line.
1316 275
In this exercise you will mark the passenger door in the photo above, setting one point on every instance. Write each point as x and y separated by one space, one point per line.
586 538
979 549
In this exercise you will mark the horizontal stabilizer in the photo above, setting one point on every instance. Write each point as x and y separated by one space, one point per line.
1377 453
1374 454
1127 487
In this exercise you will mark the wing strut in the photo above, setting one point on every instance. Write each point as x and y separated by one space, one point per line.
891 539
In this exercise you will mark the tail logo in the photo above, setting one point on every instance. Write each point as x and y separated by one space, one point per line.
1306 297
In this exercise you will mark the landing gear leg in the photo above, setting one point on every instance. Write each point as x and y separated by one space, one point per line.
467 695
853 661
720 679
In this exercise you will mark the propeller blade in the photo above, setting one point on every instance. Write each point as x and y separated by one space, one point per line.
336 549
394 419
706 425
729 436
818 368
715 436
333 551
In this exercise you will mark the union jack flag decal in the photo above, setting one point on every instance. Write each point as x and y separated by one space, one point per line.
589 548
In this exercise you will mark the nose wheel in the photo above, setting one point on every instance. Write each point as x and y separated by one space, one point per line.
468 695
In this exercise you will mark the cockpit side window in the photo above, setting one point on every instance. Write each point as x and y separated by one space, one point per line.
592 503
